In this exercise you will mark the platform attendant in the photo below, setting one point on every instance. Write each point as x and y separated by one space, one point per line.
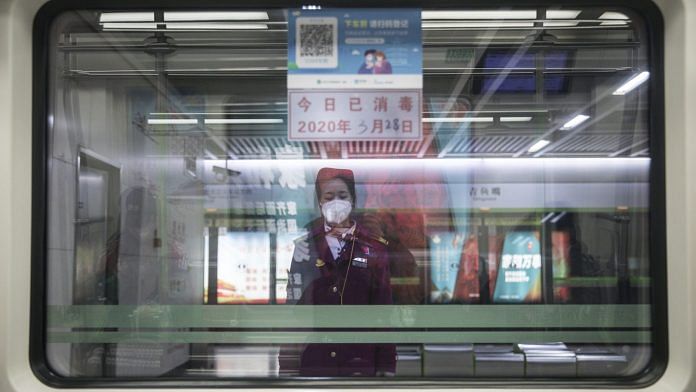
340 263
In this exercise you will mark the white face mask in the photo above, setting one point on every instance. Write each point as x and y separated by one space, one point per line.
336 211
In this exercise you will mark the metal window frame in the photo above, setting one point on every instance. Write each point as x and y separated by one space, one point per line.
657 215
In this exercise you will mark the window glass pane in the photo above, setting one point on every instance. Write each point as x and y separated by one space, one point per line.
471 200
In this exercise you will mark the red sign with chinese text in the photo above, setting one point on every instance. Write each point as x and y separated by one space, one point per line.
344 115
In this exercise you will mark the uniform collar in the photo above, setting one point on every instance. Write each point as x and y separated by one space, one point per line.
350 231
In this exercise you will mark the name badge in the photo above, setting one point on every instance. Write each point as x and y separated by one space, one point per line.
359 262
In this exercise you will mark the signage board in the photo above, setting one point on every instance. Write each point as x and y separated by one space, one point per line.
519 273
354 74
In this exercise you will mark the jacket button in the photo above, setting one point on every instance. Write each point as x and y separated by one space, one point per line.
333 354
334 289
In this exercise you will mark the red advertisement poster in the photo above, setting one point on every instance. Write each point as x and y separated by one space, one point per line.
560 241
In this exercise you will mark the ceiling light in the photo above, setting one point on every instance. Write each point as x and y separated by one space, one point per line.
614 23
106 17
210 154
457 119
489 14
560 24
516 119
539 145
172 121
562 14
614 19
547 216
448 25
215 26
212 16
577 120
558 217
212 121
613 15
632 83
129 26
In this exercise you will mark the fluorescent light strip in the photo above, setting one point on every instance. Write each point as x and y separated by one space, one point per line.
107 17
488 14
449 25
547 216
129 26
558 217
215 26
525 111
516 119
539 145
613 15
560 24
208 16
528 163
210 154
254 103
457 119
213 121
562 14
634 82
577 120
172 121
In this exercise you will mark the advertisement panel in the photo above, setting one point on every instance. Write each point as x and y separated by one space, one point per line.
519 274
445 252
243 267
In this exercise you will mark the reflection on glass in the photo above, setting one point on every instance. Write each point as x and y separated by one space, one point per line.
207 243
243 262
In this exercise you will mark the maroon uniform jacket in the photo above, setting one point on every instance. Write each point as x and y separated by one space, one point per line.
358 276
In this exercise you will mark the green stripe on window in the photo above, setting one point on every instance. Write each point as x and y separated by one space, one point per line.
601 281
357 316
350 337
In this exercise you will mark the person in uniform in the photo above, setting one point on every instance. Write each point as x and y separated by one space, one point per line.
341 263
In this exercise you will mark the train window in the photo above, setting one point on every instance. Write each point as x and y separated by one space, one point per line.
368 196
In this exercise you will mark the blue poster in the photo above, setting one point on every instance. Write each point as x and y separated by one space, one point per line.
355 41
519 274
445 252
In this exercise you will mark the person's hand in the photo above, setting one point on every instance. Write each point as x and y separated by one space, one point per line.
301 253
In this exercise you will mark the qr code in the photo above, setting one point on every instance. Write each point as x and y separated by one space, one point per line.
316 40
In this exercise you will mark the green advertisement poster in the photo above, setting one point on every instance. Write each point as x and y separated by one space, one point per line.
519 275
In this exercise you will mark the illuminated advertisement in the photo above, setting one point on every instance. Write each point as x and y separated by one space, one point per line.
519 274
243 267
455 267
560 241
467 286
445 252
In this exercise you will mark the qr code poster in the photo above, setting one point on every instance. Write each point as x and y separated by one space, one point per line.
355 74
355 48
317 42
